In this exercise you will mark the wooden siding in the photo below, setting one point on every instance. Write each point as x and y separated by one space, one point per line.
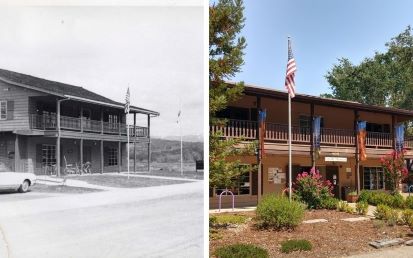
20 96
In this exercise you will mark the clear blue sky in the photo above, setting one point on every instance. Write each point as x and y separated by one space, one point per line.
322 31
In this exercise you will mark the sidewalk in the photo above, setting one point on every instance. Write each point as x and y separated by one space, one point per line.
49 180
212 211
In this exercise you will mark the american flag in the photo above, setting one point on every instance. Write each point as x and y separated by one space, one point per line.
179 115
127 102
291 68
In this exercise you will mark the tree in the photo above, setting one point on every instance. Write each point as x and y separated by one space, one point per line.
385 79
226 47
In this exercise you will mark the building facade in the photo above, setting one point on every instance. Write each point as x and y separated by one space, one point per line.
46 126
336 160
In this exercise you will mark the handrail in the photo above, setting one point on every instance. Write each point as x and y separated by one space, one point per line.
48 122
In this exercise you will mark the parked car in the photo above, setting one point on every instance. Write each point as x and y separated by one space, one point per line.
17 181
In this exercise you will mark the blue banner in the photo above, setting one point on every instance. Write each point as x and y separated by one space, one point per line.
399 130
316 135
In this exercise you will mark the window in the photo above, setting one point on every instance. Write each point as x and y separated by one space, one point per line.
373 178
113 157
242 185
48 155
236 113
113 121
3 110
378 128
306 122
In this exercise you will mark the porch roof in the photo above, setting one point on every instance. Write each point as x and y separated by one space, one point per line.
273 93
64 90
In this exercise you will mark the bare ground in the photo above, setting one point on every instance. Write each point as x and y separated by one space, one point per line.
335 238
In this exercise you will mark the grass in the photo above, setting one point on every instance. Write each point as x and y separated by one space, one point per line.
124 182
227 219
61 189
241 250
295 245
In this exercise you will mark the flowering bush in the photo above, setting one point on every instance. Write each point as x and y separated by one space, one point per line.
394 169
311 189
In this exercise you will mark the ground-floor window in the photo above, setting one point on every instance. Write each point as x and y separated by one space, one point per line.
373 178
48 155
242 185
113 157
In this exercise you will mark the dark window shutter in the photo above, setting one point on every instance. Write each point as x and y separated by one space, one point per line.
38 156
10 109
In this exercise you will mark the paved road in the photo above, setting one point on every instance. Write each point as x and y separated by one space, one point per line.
164 221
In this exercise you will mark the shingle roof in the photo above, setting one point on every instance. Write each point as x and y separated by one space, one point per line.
60 89
250 89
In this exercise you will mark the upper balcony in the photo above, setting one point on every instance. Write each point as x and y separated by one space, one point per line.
49 122
278 133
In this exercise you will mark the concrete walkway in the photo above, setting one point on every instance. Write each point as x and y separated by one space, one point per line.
233 210
47 180
396 252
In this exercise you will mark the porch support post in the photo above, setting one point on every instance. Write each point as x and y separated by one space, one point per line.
81 155
101 157
58 138
149 143
259 161
119 157
356 118
101 120
393 123
312 136
134 142
17 155
81 118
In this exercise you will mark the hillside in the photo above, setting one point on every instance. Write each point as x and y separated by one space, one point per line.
169 151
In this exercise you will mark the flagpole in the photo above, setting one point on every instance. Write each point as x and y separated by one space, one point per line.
127 145
289 148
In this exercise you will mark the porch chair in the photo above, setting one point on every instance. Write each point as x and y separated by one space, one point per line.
70 168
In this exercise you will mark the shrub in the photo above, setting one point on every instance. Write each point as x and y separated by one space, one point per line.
212 221
392 217
362 207
410 223
408 203
311 189
342 206
329 203
241 250
394 169
407 214
278 212
381 197
228 219
382 211
295 245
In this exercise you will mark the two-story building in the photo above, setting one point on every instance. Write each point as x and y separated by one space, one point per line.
337 160
45 125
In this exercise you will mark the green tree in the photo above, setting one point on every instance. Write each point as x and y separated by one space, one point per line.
385 79
226 19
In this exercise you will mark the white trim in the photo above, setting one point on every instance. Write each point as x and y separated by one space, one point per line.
5 101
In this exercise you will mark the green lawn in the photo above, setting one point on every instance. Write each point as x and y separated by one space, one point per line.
61 189
124 182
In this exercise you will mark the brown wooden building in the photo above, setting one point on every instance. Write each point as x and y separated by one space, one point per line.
337 160
45 125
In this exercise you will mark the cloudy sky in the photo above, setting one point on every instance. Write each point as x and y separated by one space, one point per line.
155 50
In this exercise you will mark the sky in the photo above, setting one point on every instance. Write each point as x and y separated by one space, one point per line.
322 31
156 51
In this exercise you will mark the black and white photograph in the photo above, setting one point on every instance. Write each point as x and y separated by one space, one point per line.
102 130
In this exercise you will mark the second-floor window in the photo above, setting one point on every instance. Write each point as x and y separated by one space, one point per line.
113 121
3 110
378 128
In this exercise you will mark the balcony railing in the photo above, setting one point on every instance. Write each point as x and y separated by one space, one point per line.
49 122
329 136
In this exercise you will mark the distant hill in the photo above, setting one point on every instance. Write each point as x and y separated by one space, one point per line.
169 151
186 138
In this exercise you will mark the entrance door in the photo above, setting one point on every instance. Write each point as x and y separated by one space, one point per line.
332 176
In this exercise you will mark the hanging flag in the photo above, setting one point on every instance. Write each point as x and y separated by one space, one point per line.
316 136
361 137
399 130
262 116
179 115
291 68
127 102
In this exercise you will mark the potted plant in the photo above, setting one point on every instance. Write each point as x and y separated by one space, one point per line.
352 196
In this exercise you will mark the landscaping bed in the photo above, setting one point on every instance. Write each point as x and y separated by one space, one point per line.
332 238
124 182
41 188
